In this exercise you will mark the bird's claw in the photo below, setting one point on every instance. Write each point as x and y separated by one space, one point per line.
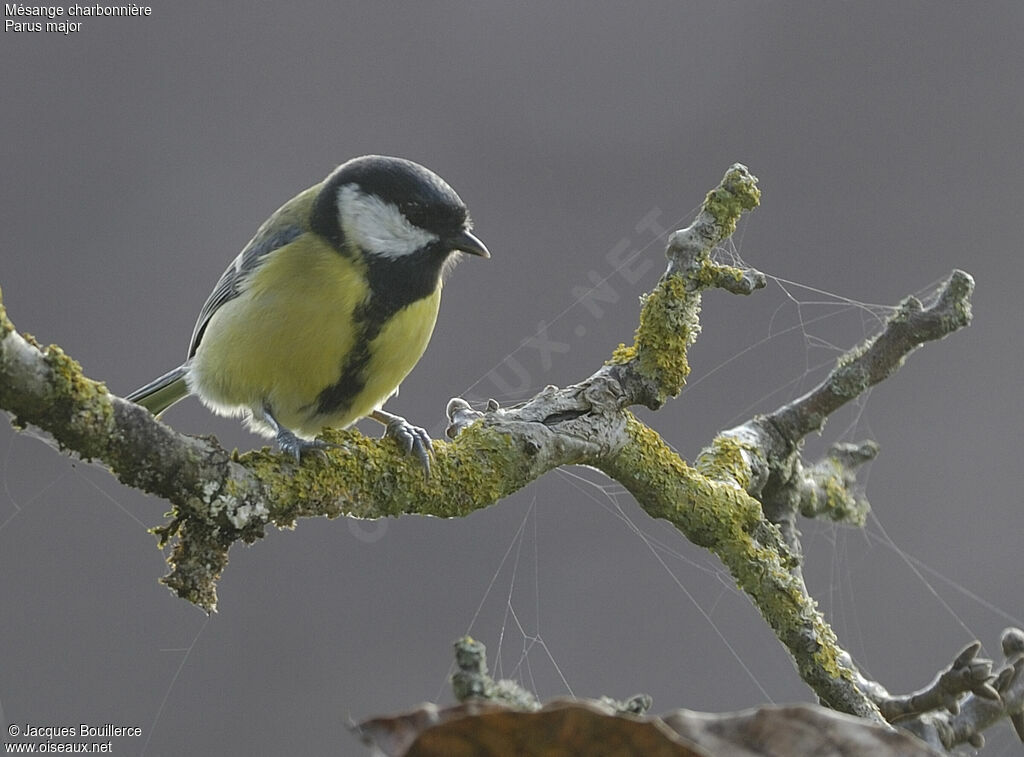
295 446
412 439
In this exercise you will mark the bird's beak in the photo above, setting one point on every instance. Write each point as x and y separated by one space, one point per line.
466 242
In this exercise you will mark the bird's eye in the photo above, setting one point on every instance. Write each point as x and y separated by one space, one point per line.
417 214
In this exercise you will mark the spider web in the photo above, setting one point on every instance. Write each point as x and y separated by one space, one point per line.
805 314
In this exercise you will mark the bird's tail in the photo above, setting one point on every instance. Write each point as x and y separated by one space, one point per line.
159 394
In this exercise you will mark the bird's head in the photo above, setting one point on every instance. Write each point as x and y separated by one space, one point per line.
393 210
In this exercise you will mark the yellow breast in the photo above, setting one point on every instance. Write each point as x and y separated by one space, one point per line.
286 337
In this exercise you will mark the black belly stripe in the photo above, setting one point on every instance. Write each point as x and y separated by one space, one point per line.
394 284
340 394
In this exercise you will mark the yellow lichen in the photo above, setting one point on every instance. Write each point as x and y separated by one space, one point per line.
375 478
668 326
6 327
728 521
710 513
87 428
622 354
727 460
727 201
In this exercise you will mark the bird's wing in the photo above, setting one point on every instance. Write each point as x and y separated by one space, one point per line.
287 223
230 284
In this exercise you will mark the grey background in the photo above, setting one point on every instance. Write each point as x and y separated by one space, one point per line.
138 155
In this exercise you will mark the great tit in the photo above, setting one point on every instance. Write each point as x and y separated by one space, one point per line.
320 317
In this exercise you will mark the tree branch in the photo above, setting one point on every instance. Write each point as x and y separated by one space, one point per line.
965 698
740 499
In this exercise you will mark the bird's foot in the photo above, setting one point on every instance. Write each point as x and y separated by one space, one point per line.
412 439
291 444
296 446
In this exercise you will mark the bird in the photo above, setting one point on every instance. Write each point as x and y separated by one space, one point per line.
328 308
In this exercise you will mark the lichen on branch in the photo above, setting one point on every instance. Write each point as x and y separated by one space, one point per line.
670 316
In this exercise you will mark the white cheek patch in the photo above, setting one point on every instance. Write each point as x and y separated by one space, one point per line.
378 227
